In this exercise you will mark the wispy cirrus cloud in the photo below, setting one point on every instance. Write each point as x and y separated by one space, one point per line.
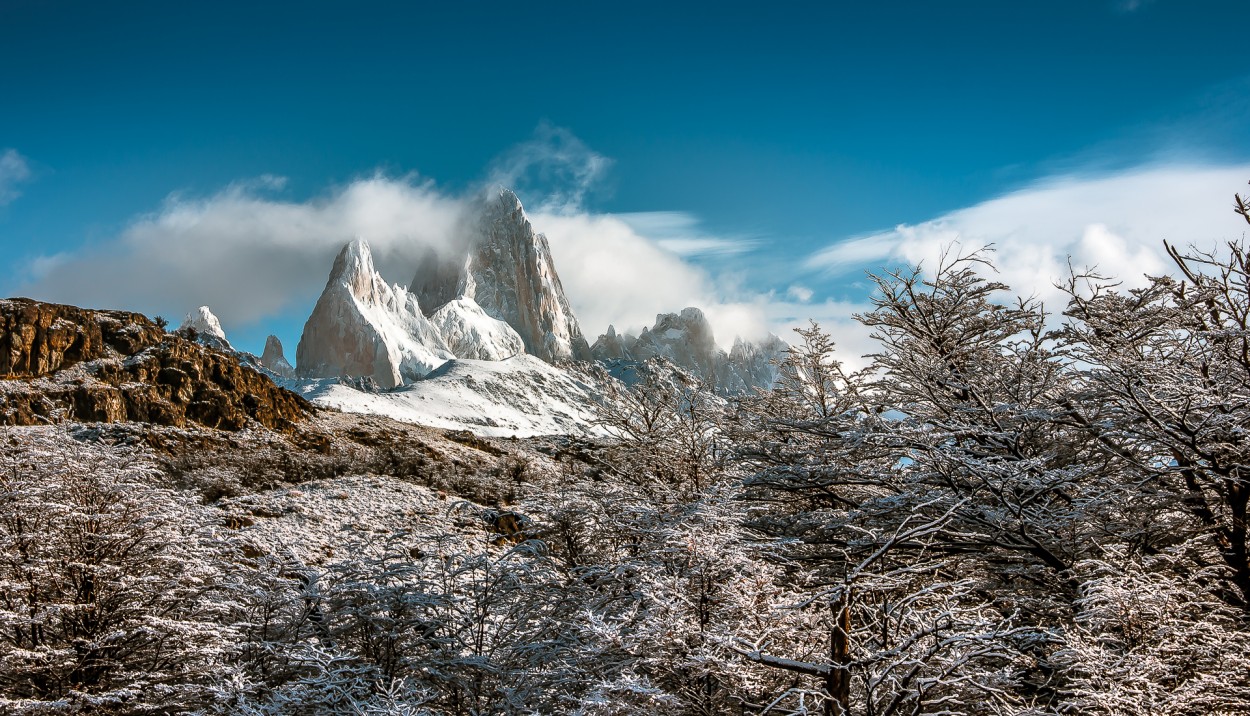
682 233
14 171
553 164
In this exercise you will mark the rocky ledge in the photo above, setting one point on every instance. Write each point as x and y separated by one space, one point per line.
67 364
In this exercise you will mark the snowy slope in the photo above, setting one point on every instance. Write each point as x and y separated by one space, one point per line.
470 333
521 396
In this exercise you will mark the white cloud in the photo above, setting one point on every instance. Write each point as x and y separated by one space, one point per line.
251 255
14 170
1116 222
553 164
680 232
802 294
614 274
246 253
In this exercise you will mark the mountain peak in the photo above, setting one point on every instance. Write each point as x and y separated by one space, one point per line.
506 269
273 358
685 339
353 268
362 327
207 327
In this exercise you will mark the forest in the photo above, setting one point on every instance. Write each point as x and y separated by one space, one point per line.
1009 510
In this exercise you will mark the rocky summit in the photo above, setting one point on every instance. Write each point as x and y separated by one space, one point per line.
494 297
686 340
274 360
206 328
507 270
363 327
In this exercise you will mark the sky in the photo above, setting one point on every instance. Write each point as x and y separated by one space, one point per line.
756 159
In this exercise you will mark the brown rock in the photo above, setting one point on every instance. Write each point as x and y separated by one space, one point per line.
40 338
71 364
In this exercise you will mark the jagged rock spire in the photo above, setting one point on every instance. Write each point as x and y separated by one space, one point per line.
507 271
361 327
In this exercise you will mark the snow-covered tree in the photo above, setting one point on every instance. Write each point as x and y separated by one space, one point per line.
1150 642
1167 392
666 432
112 592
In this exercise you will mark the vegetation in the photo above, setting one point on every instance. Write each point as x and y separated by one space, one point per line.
1006 512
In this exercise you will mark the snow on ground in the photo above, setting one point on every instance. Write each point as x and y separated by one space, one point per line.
326 520
521 396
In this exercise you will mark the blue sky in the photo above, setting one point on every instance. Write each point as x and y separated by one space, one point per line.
741 143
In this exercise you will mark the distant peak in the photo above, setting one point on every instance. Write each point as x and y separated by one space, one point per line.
693 313
202 320
353 268
500 199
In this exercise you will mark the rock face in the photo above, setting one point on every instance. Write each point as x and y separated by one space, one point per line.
274 360
751 365
472 334
509 273
206 327
71 364
685 339
612 346
39 338
361 327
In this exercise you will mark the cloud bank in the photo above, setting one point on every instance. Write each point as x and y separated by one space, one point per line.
251 255
14 170
246 253
1116 223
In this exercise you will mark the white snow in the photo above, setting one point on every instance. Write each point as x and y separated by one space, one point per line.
470 333
324 520
204 322
521 396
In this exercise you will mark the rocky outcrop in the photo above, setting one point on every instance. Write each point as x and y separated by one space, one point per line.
361 327
272 358
507 270
611 346
39 338
470 333
686 340
70 364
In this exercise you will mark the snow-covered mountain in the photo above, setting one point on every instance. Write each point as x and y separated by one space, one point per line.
508 271
363 327
470 333
686 340
207 328
520 396
484 340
